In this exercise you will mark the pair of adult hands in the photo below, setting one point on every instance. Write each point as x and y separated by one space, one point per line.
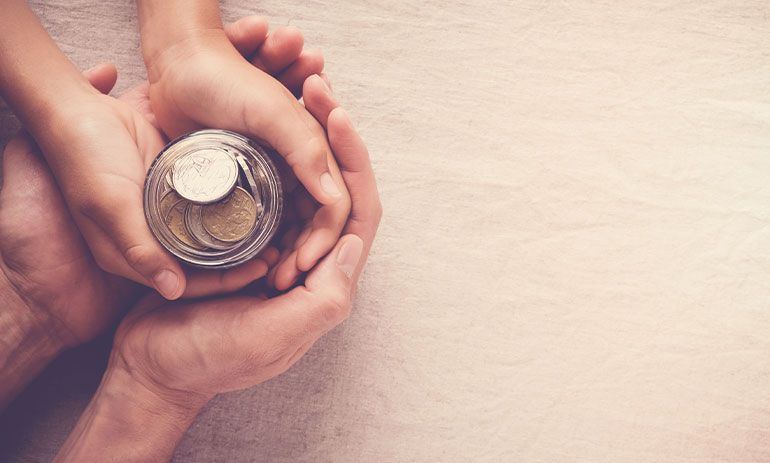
246 338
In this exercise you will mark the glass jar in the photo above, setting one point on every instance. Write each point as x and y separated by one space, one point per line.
213 198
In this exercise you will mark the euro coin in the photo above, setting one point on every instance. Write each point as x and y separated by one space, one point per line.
231 219
169 199
175 223
192 219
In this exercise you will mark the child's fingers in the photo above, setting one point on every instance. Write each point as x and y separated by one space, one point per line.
327 226
280 49
308 63
119 215
102 77
247 34
318 98
353 158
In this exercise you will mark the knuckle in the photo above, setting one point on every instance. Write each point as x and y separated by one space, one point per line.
90 205
336 305
101 205
314 59
141 257
311 157
317 152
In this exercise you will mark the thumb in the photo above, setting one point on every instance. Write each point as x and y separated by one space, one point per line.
291 131
331 282
292 322
120 217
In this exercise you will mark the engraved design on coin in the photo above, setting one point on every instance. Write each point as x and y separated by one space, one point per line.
205 176
192 219
175 221
232 218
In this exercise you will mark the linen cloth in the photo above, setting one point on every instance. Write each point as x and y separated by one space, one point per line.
573 263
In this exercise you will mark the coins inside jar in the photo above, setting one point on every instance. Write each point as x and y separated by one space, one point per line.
230 219
204 176
175 220
213 198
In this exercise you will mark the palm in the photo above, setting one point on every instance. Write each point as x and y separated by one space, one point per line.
116 174
45 258
164 340
192 346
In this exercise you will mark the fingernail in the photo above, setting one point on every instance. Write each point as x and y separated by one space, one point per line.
349 254
328 185
166 282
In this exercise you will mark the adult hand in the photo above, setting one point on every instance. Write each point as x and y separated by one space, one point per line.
203 81
44 257
170 358
61 298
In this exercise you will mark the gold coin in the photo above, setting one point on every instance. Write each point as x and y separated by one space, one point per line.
195 228
169 199
175 222
232 218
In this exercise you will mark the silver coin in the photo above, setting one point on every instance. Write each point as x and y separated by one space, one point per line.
205 176
169 182
194 225
252 183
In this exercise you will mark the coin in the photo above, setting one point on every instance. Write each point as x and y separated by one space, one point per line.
192 219
232 218
241 159
175 222
205 176
169 199
169 182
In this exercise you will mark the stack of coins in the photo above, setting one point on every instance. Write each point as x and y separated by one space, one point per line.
213 198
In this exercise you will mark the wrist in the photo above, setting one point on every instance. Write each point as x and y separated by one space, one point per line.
130 419
35 76
161 60
27 342
170 28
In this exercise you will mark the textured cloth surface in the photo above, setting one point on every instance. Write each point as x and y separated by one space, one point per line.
575 256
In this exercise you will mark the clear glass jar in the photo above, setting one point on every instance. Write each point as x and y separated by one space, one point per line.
191 220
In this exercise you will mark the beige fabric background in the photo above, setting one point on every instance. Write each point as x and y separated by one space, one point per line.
574 264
